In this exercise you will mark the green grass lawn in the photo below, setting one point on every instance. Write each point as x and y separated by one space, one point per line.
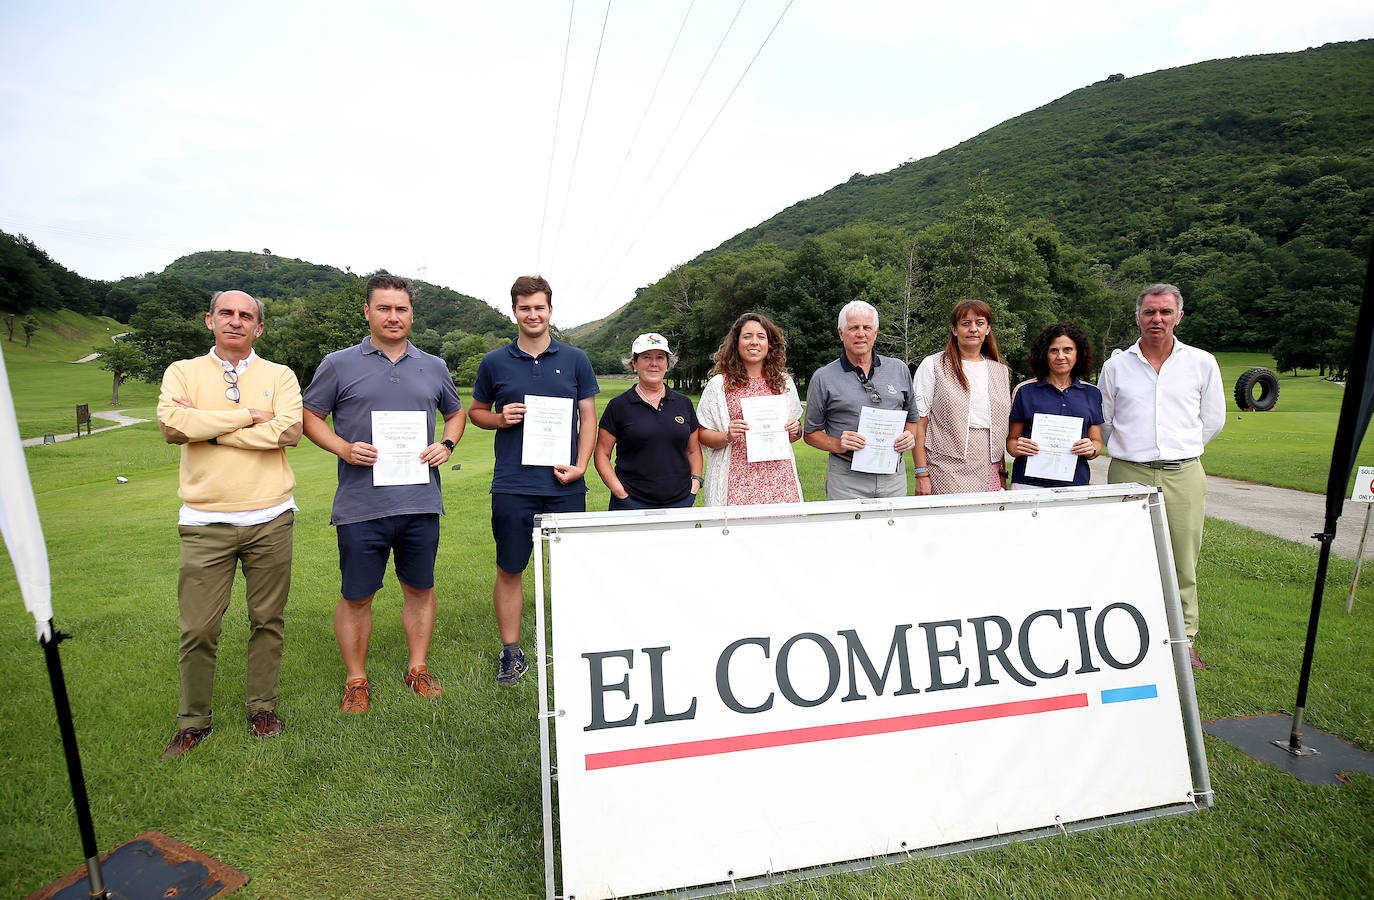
48 384
1289 446
441 799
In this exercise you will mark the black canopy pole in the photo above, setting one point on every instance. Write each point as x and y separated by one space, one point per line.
1299 707
64 723
1356 406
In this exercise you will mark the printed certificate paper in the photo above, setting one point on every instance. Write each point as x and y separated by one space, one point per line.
880 428
400 438
548 431
767 436
1055 435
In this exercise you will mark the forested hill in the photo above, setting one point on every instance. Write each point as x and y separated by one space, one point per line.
311 309
1249 182
267 276
1123 166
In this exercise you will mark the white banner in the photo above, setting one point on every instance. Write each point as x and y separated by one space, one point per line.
19 517
742 699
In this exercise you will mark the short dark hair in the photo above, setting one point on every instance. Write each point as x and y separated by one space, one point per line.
527 285
1040 349
388 283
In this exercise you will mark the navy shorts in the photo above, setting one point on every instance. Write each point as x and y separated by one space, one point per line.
364 548
512 524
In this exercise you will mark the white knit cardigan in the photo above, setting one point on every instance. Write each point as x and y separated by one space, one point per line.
713 413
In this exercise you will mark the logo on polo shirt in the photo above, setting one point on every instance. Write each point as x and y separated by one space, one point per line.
891 389
679 420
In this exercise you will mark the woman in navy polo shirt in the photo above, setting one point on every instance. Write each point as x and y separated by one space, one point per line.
653 430
1059 356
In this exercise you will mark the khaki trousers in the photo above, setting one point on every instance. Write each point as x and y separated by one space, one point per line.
209 556
1185 501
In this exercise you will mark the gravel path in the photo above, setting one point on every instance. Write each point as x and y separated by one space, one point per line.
114 415
1292 515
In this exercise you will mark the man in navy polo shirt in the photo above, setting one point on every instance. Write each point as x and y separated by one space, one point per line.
532 364
838 393
385 373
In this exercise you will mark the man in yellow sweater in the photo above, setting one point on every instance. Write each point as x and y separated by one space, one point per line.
233 414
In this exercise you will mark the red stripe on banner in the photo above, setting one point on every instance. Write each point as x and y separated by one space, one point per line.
713 746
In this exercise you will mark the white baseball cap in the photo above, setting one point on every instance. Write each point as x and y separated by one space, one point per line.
650 341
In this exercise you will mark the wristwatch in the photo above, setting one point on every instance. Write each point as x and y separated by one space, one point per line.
447 443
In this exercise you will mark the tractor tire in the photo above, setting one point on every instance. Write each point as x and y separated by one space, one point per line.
1257 390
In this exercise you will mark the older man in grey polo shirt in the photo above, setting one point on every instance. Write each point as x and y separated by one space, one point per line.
841 389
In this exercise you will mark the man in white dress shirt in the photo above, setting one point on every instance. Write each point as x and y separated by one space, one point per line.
1162 401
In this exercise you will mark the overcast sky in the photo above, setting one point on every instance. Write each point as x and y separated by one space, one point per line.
428 137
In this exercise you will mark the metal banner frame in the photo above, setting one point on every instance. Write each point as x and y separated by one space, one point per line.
548 528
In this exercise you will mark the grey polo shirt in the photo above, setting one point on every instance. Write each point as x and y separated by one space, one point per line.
835 395
349 385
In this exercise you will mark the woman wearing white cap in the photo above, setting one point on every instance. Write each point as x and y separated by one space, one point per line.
653 430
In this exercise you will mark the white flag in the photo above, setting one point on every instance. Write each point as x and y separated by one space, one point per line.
19 517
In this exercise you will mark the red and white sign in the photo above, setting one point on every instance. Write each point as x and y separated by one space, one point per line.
750 697
1364 485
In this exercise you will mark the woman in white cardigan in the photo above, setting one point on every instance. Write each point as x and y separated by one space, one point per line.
751 362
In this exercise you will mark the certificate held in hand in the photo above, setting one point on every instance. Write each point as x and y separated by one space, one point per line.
767 437
547 440
880 428
1055 435
399 436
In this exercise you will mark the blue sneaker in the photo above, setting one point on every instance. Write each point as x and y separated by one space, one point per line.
513 665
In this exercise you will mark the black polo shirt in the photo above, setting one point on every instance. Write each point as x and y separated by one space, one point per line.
651 445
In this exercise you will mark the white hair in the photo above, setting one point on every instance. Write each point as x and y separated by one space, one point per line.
857 306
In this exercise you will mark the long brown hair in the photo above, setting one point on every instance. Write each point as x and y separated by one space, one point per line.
988 350
731 366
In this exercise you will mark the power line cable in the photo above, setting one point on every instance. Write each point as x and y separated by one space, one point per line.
699 142
654 93
553 146
577 150
666 143
688 105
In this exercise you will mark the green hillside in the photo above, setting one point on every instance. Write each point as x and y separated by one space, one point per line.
47 381
267 276
311 308
1249 182
1121 167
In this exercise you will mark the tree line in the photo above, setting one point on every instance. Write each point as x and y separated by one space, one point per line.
170 324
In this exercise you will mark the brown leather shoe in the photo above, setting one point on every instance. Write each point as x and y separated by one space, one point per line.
421 682
185 740
265 723
356 696
1198 664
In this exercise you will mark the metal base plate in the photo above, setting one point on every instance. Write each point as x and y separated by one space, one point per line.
151 865
1256 737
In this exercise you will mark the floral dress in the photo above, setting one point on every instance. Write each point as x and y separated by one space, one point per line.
772 481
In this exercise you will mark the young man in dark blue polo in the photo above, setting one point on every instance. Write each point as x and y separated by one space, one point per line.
532 364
